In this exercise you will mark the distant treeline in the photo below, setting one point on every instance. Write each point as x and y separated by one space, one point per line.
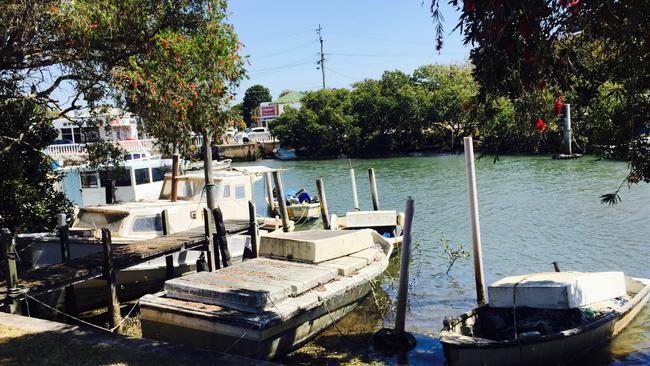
432 109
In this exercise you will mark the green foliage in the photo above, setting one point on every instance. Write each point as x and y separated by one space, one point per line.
397 113
452 255
30 201
253 96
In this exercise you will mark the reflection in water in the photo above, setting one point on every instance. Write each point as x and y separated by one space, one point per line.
533 211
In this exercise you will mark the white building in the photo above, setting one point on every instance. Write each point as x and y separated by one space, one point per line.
123 126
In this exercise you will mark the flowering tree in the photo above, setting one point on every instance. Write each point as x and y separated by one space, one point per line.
535 51
184 84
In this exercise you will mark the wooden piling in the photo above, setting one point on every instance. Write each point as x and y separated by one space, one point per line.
209 237
169 259
355 197
11 273
282 203
269 192
373 189
566 126
476 229
221 237
207 171
111 279
324 212
70 300
253 230
402 294
175 158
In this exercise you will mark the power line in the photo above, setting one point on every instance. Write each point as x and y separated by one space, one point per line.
344 75
283 51
381 54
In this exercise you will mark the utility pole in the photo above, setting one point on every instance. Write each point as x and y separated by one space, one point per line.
322 55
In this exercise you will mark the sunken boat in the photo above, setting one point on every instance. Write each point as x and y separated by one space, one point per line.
544 319
301 283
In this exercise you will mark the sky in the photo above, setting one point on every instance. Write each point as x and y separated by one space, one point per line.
362 39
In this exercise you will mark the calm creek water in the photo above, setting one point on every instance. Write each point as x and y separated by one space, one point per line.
533 211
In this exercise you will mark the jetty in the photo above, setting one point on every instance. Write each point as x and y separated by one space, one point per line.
50 278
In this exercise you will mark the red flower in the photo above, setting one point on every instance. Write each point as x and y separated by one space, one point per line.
469 5
93 26
540 125
467 105
558 105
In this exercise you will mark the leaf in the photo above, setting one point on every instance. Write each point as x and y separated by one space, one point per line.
610 198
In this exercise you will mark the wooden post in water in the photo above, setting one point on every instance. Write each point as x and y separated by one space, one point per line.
111 279
566 126
209 237
355 197
405 256
324 212
476 229
169 259
11 273
175 158
70 301
207 171
282 203
221 237
253 231
373 189
269 192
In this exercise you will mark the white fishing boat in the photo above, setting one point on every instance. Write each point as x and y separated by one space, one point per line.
387 223
544 319
265 307
301 207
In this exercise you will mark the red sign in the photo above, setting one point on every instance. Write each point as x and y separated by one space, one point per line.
268 110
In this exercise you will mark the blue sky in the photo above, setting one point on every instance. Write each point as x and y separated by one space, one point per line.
362 39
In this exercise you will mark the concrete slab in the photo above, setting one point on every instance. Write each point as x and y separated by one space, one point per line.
557 290
345 265
370 254
359 219
315 246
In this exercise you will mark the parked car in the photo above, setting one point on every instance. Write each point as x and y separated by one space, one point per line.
249 133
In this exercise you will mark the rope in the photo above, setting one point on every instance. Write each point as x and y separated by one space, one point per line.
110 330
235 342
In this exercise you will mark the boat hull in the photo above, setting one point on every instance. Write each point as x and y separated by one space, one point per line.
556 349
304 211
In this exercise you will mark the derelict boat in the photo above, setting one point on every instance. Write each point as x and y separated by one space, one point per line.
387 223
544 319
265 307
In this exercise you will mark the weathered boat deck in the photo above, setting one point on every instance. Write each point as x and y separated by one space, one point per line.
46 279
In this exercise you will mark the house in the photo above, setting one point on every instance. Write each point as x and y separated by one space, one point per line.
268 111
76 128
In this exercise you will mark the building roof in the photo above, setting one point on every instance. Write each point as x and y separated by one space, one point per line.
290 97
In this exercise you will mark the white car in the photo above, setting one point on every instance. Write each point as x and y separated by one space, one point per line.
250 133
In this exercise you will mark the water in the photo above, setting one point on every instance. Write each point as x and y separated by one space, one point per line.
533 211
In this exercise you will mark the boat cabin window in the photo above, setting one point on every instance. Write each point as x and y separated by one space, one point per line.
124 180
89 180
226 191
240 191
147 223
158 174
142 176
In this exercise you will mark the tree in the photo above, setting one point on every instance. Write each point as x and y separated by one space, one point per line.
47 46
253 96
562 47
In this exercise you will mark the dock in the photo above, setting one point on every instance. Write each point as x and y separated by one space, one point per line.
57 276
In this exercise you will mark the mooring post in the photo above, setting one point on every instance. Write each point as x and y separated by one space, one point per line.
476 229
398 340
11 272
169 259
221 237
355 197
282 203
70 301
207 171
566 126
175 158
209 238
402 292
373 189
269 192
111 279
253 230
324 212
